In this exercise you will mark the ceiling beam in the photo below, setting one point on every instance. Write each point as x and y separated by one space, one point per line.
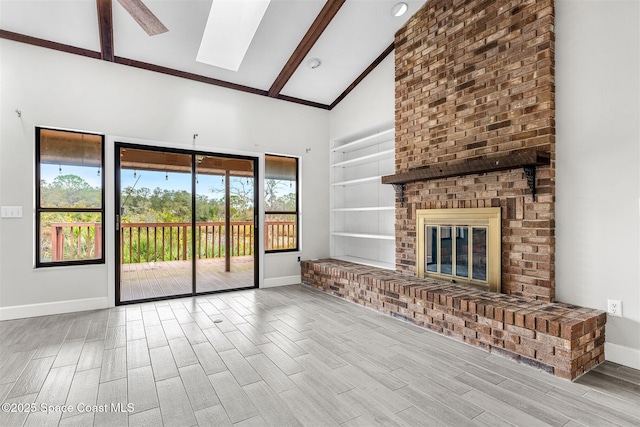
34 41
210 80
105 26
364 74
321 22
186 75
303 102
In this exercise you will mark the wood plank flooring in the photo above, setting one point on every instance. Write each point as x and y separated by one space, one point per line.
169 278
288 356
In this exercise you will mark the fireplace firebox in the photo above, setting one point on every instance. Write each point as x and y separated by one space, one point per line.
461 246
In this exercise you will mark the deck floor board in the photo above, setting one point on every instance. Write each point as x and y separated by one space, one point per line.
147 280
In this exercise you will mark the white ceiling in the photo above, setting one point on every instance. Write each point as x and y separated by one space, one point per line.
358 34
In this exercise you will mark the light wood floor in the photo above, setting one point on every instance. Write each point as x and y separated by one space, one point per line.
281 357
168 278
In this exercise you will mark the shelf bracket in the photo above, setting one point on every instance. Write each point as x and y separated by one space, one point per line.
399 188
530 174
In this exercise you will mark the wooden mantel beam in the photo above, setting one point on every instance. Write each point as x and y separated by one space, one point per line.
523 158
528 159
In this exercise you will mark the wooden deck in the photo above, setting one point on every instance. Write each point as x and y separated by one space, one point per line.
167 278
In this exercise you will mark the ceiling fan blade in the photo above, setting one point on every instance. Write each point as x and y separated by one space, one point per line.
144 17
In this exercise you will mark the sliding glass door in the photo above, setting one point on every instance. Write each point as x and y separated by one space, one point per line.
225 232
184 223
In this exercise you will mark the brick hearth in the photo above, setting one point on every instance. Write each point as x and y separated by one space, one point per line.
561 339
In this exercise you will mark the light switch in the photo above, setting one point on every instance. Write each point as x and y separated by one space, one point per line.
11 211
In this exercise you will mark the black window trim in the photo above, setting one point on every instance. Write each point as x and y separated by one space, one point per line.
296 212
39 209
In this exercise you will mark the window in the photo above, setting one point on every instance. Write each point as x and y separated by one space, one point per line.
281 203
69 198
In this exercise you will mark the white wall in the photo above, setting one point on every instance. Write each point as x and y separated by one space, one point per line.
370 106
598 163
367 110
67 91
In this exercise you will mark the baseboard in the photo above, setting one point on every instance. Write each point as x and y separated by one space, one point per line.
47 308
281 281
622 355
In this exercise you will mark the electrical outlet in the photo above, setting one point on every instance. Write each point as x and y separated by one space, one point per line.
614 307
298 259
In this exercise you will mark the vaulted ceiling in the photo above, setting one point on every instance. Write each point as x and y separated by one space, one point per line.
349 37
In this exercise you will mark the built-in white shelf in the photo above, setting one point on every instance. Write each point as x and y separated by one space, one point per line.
364 261
362 208
365 209
358 181
367 141
364 235
364 159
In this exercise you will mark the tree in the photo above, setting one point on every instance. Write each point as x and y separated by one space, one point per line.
69 191
278 197
270 187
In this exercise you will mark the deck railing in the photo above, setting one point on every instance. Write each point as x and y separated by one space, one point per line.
76 241
147 242
280 235
154 242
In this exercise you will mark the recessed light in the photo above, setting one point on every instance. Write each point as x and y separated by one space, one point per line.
313 63
399 9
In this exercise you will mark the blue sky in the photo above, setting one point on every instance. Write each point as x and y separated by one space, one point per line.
153 179
49 172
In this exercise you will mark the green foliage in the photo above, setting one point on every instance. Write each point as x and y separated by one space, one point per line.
142 205
155 244
69 191
75 242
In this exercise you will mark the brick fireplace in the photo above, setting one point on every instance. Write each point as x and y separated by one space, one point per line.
475 128
475 82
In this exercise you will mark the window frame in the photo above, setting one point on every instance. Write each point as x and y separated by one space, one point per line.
39 209
296 212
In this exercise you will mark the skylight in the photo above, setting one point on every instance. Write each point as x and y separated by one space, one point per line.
231 26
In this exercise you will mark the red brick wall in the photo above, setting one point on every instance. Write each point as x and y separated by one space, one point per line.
475 78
